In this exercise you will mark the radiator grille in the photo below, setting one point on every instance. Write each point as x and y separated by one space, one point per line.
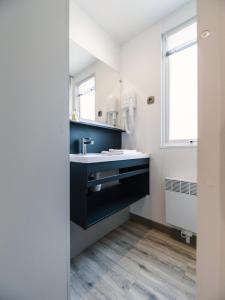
193 189
168 184
179 186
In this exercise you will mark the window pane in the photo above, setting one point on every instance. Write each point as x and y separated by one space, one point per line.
182 79
87 85
71 96
181 37
87 106
86 92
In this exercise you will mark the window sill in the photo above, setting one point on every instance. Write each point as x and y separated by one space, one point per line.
166 146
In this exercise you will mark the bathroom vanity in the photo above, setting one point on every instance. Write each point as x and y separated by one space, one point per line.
102 185
98 207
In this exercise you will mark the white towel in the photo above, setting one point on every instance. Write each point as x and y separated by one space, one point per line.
123 151
111 153
120 152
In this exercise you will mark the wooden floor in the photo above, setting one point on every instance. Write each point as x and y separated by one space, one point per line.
134 262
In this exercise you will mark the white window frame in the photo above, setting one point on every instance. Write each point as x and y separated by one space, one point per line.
77 100
165 142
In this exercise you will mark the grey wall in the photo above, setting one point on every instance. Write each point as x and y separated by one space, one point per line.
211 158
34 137
82 239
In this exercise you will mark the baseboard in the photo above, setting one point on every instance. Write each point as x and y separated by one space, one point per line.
173 232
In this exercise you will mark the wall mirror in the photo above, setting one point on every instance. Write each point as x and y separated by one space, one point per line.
95 89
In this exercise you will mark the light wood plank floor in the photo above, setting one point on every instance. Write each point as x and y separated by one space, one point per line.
134 262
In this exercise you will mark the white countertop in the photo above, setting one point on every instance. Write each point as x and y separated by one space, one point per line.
98 157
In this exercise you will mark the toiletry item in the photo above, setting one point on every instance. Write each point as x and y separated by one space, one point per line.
112 110
98 187
129 108
74 116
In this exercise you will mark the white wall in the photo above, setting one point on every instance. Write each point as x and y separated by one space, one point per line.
141 70
34 172
211 158
107 82
90 36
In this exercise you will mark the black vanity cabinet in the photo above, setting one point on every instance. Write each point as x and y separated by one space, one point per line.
118 185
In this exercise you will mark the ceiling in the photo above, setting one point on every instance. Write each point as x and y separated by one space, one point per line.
124 19
79 58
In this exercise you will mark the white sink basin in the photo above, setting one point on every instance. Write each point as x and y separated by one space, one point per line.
98 157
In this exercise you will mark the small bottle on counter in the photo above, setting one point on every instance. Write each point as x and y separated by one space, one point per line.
74 116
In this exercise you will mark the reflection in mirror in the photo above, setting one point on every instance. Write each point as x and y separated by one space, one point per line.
95 88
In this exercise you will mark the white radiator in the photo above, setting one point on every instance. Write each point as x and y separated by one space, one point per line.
181 204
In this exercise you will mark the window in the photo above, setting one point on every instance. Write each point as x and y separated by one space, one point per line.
179 105
86 98
71 94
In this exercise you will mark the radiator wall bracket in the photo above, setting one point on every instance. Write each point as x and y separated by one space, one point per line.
186 235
